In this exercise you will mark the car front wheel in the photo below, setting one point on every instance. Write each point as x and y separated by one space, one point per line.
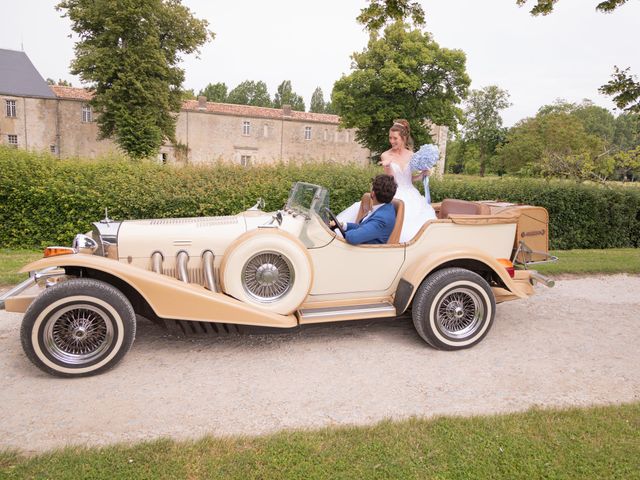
78 328
453 309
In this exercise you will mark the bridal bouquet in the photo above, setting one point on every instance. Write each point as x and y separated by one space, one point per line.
425 158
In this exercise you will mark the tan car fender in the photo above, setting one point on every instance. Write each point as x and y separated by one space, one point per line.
416 273
169 297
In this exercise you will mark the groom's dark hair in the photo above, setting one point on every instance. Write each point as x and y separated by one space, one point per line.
384 186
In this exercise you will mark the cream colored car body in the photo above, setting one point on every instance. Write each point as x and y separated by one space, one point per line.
286 268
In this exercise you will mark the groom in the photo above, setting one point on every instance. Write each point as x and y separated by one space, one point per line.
377 225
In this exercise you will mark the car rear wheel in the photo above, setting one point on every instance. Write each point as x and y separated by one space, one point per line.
78 328
453 309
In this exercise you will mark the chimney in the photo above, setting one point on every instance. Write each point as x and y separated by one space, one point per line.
202 102
286 110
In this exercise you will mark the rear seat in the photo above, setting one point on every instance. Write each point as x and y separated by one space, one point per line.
462 207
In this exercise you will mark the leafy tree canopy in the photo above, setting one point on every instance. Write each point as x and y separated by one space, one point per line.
595 120
286 96
128 51
60 82
380 12
545 7
404 74
250 93
215 92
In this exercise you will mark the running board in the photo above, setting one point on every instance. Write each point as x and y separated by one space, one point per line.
347 312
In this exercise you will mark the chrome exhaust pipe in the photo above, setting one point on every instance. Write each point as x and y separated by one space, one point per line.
182 260
156 262
208 259
543 279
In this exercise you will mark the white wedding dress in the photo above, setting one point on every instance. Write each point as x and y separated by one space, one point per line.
416 209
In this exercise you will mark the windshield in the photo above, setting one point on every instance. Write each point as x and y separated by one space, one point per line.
306 198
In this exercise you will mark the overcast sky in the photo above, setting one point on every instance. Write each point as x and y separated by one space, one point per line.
568 54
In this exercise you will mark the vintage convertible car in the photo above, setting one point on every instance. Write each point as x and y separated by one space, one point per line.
279 269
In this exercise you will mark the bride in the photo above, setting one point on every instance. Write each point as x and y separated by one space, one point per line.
396 163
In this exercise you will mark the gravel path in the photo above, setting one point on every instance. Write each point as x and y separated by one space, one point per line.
575 344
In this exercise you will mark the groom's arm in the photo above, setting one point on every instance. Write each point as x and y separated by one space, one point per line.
374 229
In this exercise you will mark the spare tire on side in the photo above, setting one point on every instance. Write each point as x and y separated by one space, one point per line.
268 268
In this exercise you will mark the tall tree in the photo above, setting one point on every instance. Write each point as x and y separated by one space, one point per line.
483 124
286 96
250 93
318 104
128 51
215 92
382 12
403 74
623 86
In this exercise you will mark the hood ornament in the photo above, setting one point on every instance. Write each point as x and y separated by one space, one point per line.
106 218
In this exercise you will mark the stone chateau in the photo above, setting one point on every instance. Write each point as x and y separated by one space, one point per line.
59 119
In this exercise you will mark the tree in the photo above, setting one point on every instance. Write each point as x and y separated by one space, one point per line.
627 131
625 89
318 104
215 92
60 82
381 12
188 94
483 124
286 96
250 93
545 7
128 51
623 85
404 74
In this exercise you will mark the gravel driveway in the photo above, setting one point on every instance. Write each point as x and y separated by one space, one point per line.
575 344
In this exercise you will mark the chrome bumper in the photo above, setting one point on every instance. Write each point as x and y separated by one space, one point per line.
29 282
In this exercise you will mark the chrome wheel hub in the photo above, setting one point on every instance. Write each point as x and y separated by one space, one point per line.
78 334
460 312
267 276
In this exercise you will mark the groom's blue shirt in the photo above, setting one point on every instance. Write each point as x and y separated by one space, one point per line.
374 229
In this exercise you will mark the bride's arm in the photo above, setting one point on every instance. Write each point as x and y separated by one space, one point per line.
420 175
385 161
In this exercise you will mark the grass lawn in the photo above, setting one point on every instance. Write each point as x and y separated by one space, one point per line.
600 442
13 260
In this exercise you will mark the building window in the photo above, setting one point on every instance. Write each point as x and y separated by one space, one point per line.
52 148
265 131
307 133
163 158
12 140
11 108
335 137
245 160
246 128
326 134
86 113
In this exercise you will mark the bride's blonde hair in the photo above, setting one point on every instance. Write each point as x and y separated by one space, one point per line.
404 130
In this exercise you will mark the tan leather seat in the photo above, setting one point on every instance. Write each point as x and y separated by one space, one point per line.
462 207
398 205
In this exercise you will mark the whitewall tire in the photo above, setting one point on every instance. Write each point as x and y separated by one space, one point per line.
453 309
78 328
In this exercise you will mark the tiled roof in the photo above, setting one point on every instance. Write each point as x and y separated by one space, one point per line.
72 93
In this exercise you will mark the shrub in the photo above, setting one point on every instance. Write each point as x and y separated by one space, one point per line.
45 201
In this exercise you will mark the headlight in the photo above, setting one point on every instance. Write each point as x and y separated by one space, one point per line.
85 244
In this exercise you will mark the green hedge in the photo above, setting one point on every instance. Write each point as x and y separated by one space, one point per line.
46 201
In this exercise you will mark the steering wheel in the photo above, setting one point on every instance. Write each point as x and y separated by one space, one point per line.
335 220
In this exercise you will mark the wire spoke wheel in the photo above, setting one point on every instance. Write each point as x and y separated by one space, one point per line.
267 276
78 334
460 313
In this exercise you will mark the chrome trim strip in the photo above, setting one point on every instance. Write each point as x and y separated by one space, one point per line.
348 310
208 261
